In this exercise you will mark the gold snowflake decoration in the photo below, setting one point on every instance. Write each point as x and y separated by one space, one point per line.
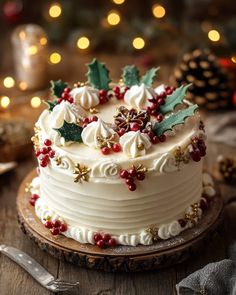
35 138
81 172
93 111
58 161
106 141
140 168
192 216
180 156
153 231
28 187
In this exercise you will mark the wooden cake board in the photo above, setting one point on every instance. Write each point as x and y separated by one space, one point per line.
120 258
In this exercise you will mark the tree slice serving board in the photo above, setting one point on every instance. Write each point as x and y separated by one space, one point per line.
121 258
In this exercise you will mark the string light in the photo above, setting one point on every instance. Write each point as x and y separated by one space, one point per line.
83 42
158 11
22 35
35 102
43 41
32 50
118 1
138 43
55 10
5 101
214 35
233 58
9 82
55 58
23 85
113 18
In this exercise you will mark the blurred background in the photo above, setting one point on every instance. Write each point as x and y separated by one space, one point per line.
194 41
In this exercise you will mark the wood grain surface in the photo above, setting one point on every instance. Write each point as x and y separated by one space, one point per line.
15 281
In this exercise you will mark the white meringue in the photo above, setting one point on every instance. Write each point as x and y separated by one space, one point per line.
135 144
86 96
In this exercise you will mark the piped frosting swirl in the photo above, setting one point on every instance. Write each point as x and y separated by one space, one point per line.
87 97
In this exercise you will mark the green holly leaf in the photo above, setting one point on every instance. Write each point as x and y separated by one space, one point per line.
51 104
71 132
98 75
130 76
149 77
174 119
174 99
58 87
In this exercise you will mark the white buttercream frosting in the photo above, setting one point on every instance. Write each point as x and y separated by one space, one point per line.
106 169
169 230
94 130
138 95
65 111
165 164
86 96
135 144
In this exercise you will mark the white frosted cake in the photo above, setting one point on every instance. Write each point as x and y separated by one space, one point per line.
119 165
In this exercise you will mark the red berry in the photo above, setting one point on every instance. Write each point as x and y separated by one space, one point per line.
129 181
44 150
116 147
70 99
55 231
63 227
56 223
49 149
43 163
47 142
140 176
162 138
48 224
196 155
116 89
65 95
132 172
105 150
34 197
153 112
124 174
155 139
32 202
37 153
100 244
121 131
182 222
168 91
160 101
121 96
102 92
159 118
134 126
106 237
59 100
112 242
51 154
97 237
45 158
94 118
132 187
67 89
86 120
103 100
153 107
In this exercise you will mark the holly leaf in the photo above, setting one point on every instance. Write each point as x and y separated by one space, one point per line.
57 87
174 99
70 132
130 76
149 77
51 104
98 75
173 120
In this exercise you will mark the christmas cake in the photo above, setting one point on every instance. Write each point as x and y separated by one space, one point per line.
119 163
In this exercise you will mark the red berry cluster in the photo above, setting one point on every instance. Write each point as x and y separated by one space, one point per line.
130 175
87 120
66 96
56 226
153 138
201 126
33 199
104 240
157 101
118 93
197 149
103 96
116 148
45 153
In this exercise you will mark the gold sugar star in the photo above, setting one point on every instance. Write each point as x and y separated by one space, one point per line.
81 173
106 141
153 230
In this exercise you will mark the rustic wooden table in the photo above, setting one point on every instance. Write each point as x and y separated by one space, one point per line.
14 280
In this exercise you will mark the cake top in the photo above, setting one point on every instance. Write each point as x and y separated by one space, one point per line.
123 124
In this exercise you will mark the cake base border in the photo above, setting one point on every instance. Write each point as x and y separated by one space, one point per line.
164 253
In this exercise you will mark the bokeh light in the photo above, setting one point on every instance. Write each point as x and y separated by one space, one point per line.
8 82
5 101
158 11
55 58
32 50
118 1
23 85
233 58
113 18
55 10
214 35
138 43
83 42
43 41
35 102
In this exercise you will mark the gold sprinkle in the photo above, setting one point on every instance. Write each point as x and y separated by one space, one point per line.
81 173
93 110
140 146
153 230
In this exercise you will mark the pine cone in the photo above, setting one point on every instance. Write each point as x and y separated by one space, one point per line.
211 88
